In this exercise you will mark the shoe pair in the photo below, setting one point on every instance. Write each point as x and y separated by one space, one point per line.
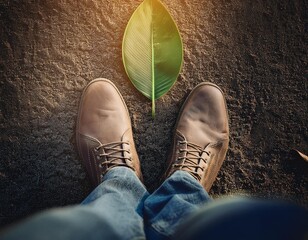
105 139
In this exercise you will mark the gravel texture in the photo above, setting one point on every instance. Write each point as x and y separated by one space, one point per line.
255 50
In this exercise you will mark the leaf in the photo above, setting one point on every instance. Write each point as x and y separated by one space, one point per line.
301 155
152 50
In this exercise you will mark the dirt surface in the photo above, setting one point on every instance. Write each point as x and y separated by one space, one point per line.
49 50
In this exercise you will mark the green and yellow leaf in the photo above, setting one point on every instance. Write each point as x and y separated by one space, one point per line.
152 50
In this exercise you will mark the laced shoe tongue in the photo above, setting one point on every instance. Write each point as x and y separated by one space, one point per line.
191 157
113 152
194 159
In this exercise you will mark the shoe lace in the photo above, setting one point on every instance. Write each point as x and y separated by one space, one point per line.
192 158
112 156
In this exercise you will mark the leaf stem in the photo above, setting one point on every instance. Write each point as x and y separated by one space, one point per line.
153 108
153 65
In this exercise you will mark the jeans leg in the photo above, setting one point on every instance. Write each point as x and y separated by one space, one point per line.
243 218
112 211
176 199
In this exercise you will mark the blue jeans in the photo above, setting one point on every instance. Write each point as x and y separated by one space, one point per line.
121 208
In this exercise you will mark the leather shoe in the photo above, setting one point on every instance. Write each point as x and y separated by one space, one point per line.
104 133
201 135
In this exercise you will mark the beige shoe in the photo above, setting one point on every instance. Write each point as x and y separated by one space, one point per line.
201 136
104 133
